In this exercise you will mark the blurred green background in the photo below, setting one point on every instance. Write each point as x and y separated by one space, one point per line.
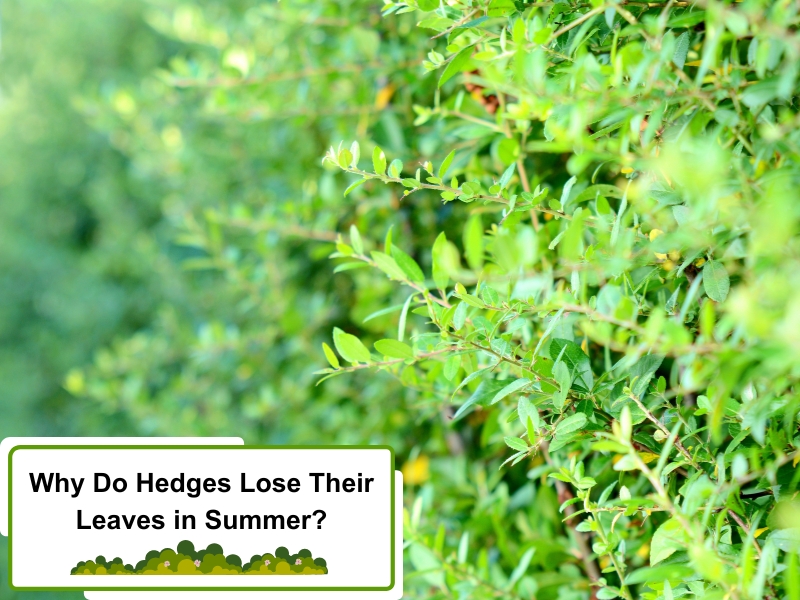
70 214
165 218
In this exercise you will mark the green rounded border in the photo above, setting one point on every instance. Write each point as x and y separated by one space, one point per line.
199 589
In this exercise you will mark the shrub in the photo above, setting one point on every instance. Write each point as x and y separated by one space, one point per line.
564 281
606 311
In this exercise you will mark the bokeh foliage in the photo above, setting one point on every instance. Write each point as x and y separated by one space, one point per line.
569 234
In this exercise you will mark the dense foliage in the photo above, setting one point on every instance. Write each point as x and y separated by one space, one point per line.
564 250
624 306
211 560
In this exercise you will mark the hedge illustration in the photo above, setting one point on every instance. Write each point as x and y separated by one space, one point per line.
212 560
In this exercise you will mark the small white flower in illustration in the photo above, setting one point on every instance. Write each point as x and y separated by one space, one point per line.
166 563
266 562
298 561
197 563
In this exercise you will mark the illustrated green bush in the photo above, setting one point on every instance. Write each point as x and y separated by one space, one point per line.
210 561
89 567
187 567
282 552
170 562
168 554
152 564
233 559
186 547
118 569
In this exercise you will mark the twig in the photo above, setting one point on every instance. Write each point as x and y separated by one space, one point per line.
582 19
745 528
586 554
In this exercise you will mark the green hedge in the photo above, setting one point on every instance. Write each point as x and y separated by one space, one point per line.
211 560
562 285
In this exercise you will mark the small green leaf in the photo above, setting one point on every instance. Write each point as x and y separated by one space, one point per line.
354 185
345 158
485 391
516 443
472 300
618 221
355 150
541 36
460 316
329 354
446 318
440 275
567 189
394 349
355 240
564 380
379 161
473 242
396 168
408 264
643 371
490 296
571 423
455 65
388 265
387 242
350 347
401 324
561 373
526 410
716 281
673 571
463 548
512 387
350 266
556 240
446 164
451 367
626 463
667 539
681 50
576 360
381 312
507 175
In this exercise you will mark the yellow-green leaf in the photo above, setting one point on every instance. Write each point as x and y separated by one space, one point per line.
394 349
